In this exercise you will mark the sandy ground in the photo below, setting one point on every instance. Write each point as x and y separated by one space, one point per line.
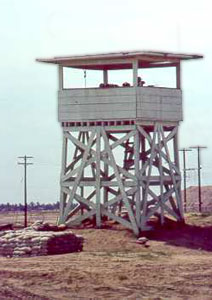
176 265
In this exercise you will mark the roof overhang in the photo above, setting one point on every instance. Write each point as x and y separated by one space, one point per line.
120 60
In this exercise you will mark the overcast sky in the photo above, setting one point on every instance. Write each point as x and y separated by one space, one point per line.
45 28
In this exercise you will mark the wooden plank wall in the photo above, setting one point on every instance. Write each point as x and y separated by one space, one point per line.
159 104
97 104
154 104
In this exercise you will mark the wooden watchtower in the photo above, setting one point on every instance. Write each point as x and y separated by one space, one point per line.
120 143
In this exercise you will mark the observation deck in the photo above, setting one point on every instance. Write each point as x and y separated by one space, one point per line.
120 104
109 102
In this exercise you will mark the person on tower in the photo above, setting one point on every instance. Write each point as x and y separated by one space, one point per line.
140 81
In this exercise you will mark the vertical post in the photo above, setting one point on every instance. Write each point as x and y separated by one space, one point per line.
60 75
143 151
63 170
82 187
178 76
98 192
199 179
177 164
184 178
25 164
106 169
176 148
105 76
160 130
85 77
137 163
184 150
135 73
25 192
199 173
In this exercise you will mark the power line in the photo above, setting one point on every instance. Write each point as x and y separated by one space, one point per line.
199 173
25 164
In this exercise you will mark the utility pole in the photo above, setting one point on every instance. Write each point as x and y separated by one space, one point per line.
25 164
184 150
199 173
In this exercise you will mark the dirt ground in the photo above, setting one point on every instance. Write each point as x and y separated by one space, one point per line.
176 265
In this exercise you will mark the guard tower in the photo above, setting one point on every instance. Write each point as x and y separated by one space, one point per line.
120 143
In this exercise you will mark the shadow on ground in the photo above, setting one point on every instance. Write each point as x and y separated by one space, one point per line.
197 237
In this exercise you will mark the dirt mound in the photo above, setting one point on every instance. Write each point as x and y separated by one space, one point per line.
193 198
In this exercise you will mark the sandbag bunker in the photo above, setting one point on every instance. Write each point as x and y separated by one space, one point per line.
31 241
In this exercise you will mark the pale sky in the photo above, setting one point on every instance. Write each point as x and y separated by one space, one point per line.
28 90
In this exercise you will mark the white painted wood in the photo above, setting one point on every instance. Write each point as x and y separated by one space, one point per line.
75 171
137 168
77 180
93 110
80 198
135 73
119 197
178 76
103 183
63 170
119 141
154 178
108 128
157 104
118 219
120 58
97 92
105 76
121 170
98 62
98 183
178 196
96 100
121 186
177 163
158 91
60 77
78 220
161 177
146 186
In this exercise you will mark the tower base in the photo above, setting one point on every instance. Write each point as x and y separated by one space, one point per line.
126 173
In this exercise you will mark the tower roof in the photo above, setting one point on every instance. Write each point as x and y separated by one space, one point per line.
119 60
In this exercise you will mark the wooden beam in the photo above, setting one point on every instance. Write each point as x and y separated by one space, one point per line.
152 156
63 170
60 77
119 197
120 141
135 73
78 220
105 76
156 65
98 194
161 178
118 219
137 168
121 186
177 192
178 76
77 180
